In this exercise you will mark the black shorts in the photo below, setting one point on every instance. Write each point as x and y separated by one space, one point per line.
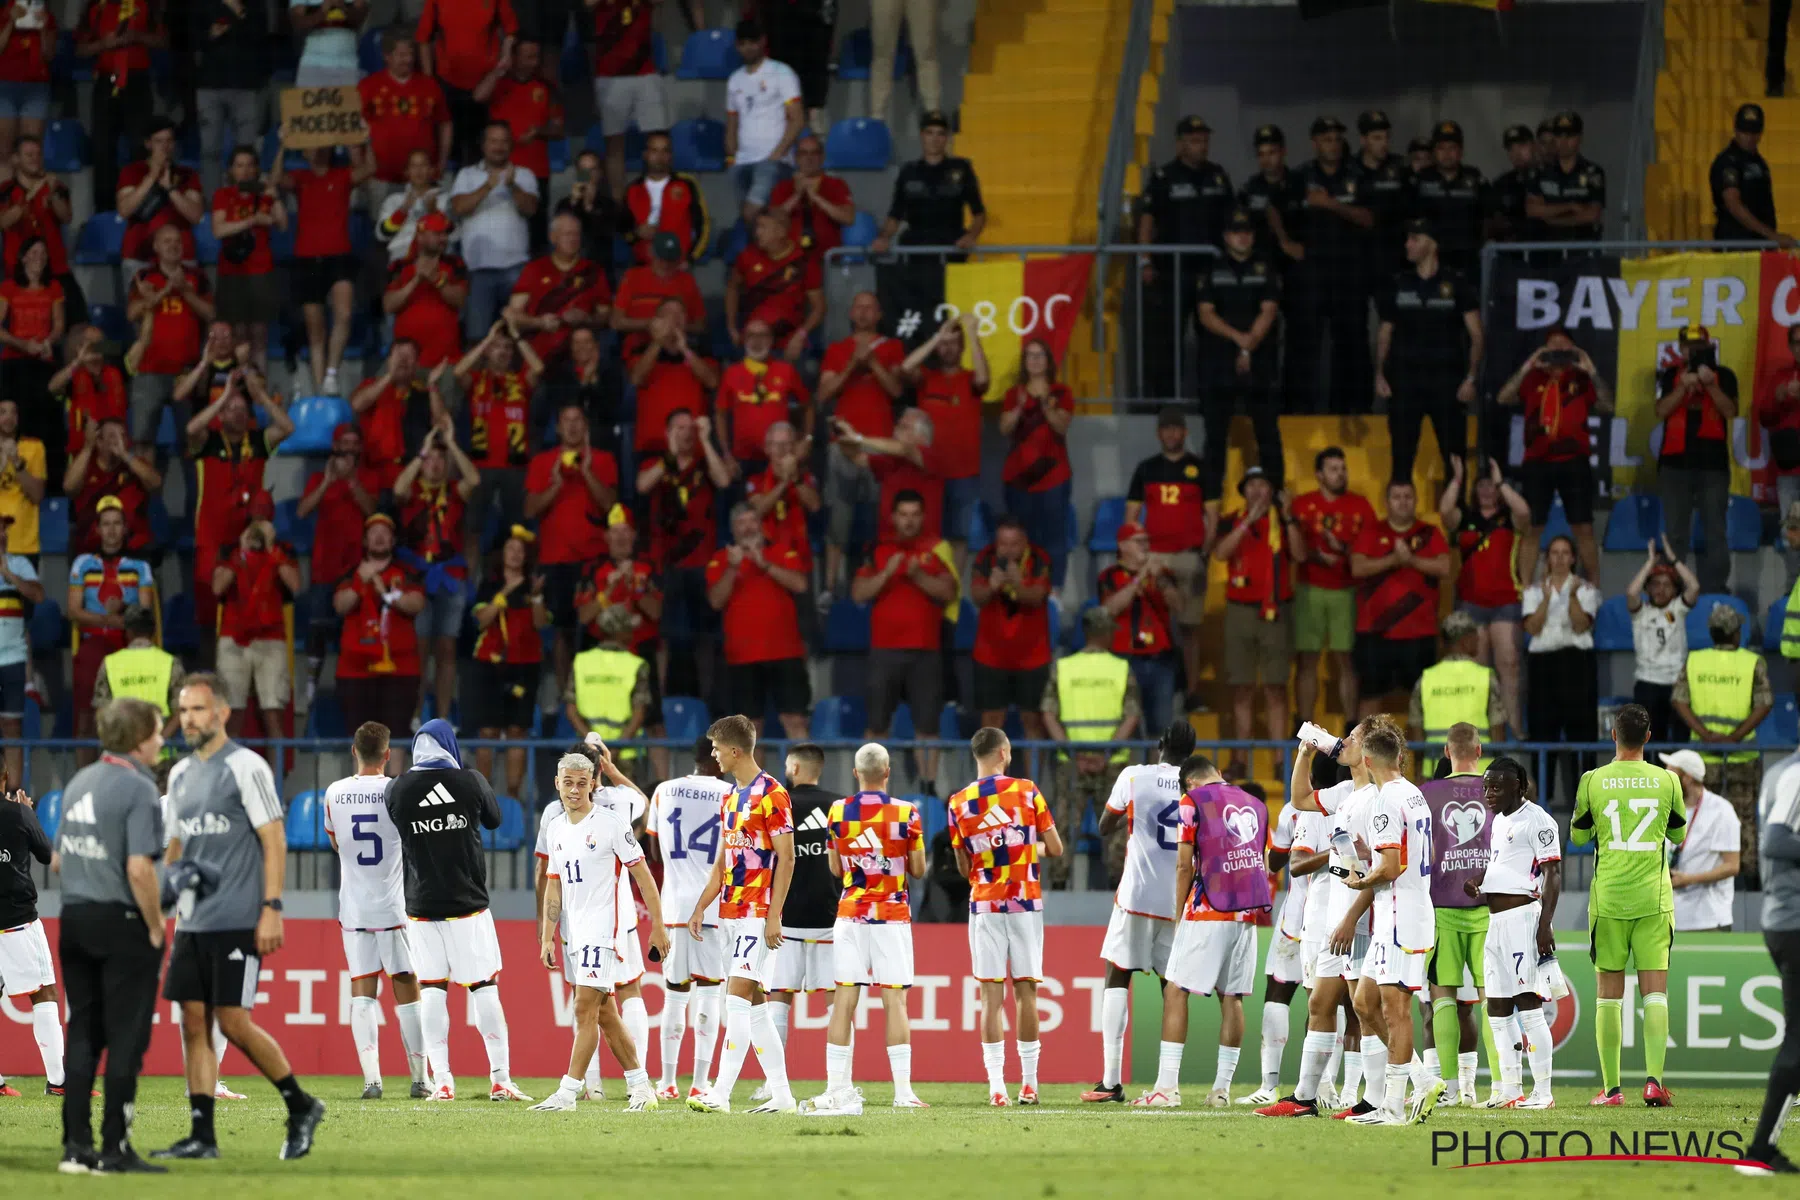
997 689
313 278
1572 480
505 696
219 969
913 676
1385 666
389 699
75 305
782 684
561 582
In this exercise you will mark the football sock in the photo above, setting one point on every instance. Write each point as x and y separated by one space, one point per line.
1353 1075
1227 1068
1168 1066
490 1021
1537 1035
706 1011
1274 1041
1433 1068
1028 1062
1374 1064
1415 1071
637 1026
1337 1052
570 1086
1445 1030
1466 1065
737 1044
837 1067
782 1015
1488 1048
769 1052
365 1031
1394 1094
200 1119
993 1058
1656 1033
590 1076
408 1017
1508 1083
293 1095
1115 1012
1315 1052
434 1026
46 1027
220 1043
637 1081
1609 1034
674 1025
900 1065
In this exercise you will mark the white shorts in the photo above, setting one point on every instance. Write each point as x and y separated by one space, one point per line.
1509 965
872 955
1135 942
748 952
690 961
591 958
1283 963
804 963
1388 964
626 100
1343 966
631 957
263 663
465 951
1214 956
25 962
1003 945
377 952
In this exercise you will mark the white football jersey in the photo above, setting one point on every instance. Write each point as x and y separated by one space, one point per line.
589 856
1518 844
1343 804
630 804
1312 835
1150 798
1398 818
684 820
1282 836
372 894
547 821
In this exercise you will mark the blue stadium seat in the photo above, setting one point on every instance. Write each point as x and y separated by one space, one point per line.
858 144
950 724
281 244
684 717
1054 604
857 53
325 719
291 529
698 144
839 717
1109 514
1743 525
1782 726
1697 636
49 813
861 231
160 533
1772 623
368 52
934 812
1074 639
901 727
980 533
559 155
709 54
66 148
314 418
1636 521
206 246
110 319
659 53
305 823
634 150
1556 525
100 241
168 438
53 525
181 633
511 834
46 626
967 618
731 242
362 233
595 139
1612 625
847 627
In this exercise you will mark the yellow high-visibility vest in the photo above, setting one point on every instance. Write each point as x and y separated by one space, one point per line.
1090 696
604 682
1720 685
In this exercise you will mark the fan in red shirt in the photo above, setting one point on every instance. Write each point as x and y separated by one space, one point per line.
497 377
323 272
752 584
1035 416
516 92
625 53
1398 563
433 510
775 280
662 200
1142 596
906 462
670 377
1010 585
254 579
1332 517
229 455
405 110
621 577
395 410
32 322
862 372
644 291
244 211
1490 537
178 303
460 41
156 193
35 204
30 31
91 389
378 651
756 393
342 496
785 493
816 206
681 487
560 293
1560 389
118 35
569 489
425 294
510 614
1778 411
951 395
108 465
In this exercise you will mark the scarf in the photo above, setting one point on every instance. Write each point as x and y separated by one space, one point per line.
434 747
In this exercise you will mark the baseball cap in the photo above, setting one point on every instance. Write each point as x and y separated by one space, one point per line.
108 504
1270 135
1516 135
1129 530
1696 333
620 515
1239 222
435 222
934 118
666 246
1372 120
1192 124
1567 123
343 427
1419 145
377 518
1326 125
1447 131
1749 119
1686 761
1456 626
1547 125
1420 225
1251 473
1170 416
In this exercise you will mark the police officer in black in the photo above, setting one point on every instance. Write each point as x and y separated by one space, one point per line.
930 194
1743 192
1418 156
1185 203
1568 194
1273 198
1386 177
1239 304
1453 198
1507 220
1427 352
1329 303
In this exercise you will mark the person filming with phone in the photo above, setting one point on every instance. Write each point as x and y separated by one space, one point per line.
1559 389
1696 400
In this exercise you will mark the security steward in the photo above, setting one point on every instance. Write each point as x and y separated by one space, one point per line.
609 688
1723 695
1273 197
1507 221
1239 304
1456 689
142 670
1427 352
931 193
1454 198
1387 178
1091 696
1568 194
1742 190
1330 296
111 936
1185 203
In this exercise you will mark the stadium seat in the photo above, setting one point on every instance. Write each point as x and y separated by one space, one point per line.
698 144
66 148
839 717
967 619
856 56
595 139
206 246
45 628
684 717
1743 525
110 320
858 144
368 52
1109 514
901 728
1612 625
53 525
1782 726
634 151
100 241
168 439
1772 623
861 231
314 418
847 627
362 233
709 54
950 724
49 813
181 633
731 242
559 155
1636 521
1556 525
1697 636
305 823
291 529
325 719
1074 639
933 810
659 53
1054 604
980 532
511 834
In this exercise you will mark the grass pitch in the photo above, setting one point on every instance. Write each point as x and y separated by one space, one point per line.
958 1147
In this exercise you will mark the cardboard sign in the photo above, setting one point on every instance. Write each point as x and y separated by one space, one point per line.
324 116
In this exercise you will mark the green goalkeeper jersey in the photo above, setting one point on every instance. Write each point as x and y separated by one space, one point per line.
1627 809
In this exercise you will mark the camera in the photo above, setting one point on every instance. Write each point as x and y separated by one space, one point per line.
1698 356
1559 358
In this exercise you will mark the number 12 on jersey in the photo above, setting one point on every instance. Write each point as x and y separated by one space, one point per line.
1646 809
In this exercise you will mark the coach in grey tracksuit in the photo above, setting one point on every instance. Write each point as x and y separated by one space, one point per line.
1778 848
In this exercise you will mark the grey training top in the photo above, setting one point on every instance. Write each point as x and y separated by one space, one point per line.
110 813
1778 851
216 805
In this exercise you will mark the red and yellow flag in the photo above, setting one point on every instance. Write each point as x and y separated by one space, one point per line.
1013 301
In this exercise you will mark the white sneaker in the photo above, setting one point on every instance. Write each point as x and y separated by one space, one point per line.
1537 1099
761 1094
330 385
1450 1099
1260 1097
909 1102
785 1104
708 1104
558 1101
221 1092
1219 1098
641 1100
1159 1099
1501 1100
506 1089
1424 1101
592 1093
1375 1116
847 1102
1328 1098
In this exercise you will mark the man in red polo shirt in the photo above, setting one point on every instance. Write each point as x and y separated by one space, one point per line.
1141 593
907 584
785 492
569 489
425 294
394 411
670 376
817 206
179 304
517 92
774 280
560 293
662 200
156 192
229 454
253 579
753 584
405 110
1332 517
755 393
459 42
1166 498
910 461
108 465
1398 564
860 375
1010 585
681 486
951 395
644 291
378 652
1559 388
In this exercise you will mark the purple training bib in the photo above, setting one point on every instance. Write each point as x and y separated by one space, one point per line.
1231 829
1460 824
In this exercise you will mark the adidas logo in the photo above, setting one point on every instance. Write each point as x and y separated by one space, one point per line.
83 810
994 818
867 842
439 794
816 819
235 956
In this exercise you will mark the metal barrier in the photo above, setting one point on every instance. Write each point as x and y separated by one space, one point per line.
1121 138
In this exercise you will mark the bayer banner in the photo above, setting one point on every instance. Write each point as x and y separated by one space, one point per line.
1725 1018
